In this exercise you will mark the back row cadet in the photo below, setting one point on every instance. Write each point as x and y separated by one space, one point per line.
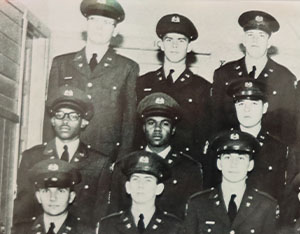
160 114
192 92
70 111
146 173
233 207
54 181
107 77
251 105
280 120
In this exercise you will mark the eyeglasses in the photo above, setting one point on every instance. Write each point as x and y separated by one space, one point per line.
73 116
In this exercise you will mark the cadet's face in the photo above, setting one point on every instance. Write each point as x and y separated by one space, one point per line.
234 166
175 47
158 131
100 29
143 188
55 201
250 112
67 129
256 42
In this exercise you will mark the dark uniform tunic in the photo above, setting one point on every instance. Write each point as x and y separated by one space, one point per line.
186 179
280 120
91 193
111 87
206 213
36 226
192 93
270 167
123 222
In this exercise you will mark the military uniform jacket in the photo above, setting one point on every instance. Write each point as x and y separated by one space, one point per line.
91 193
192 93
186 179
71 226
206 213
111 87
123 222
280 120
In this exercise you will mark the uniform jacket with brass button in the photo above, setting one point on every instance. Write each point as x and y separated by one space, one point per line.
280 120
123 222
186 179
111 87
192 93
92 190
71 226
207 213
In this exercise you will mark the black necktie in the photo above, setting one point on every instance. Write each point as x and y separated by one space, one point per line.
65 154
51 229
252 73
141 225
169 77
93 62
232 209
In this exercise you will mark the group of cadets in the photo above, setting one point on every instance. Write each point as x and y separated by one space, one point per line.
166 152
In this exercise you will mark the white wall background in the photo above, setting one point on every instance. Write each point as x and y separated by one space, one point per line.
216 21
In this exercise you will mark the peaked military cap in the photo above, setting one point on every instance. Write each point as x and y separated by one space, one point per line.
145 162
67 96
175 23
258 20
247 89
108 8
159 104
235 141
54 173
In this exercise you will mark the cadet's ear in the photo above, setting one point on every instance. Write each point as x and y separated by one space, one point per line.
159 189
52 121
251 165
84 123
299 196
219 166
265 107
72 196
127 187
160 44
38 196
189 48
116 30
173 130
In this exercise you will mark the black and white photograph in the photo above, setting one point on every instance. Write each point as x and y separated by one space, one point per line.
149 116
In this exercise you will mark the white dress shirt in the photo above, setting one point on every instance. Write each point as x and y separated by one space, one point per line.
162 154
72 147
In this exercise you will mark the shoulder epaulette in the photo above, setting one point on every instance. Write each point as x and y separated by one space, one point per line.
113 215
265 195
197 194
170 215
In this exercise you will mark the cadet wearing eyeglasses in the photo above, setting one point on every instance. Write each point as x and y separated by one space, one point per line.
70 112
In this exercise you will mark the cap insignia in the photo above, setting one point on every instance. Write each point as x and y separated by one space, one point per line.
53 167
175 19
259 18
144 159
101 1
54 179
68 92
248 84
234 136
160 100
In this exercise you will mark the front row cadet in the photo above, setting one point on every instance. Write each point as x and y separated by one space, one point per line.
54 181
160 114
232 207
145 174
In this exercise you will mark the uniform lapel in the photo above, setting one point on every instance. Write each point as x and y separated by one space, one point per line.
185 77
126 223
172 158
248 205
218 205
67 226
155 223
50 150
38 226
106 64
81 153
80 63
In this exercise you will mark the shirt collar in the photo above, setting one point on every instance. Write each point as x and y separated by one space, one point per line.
228 190
72 147
100 51
178 70
58 222
148 213
162 154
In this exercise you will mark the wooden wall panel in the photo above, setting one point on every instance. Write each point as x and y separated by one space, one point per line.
9 48
8 68
8 87
10 28
11 12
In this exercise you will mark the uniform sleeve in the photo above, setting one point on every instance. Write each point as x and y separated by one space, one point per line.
270 220
129 112
191 219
